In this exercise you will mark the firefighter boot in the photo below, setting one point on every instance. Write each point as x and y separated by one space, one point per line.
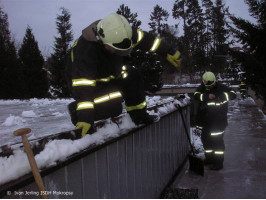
72 109
209 158
142 117
218 164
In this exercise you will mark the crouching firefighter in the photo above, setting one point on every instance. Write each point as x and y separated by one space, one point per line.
100 80
211 117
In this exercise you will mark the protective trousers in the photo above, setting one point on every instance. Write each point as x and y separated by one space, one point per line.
132 89
213 143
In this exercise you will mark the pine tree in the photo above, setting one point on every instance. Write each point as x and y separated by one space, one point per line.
179 12
11 83
35 77
253 38
150 68
59 57
131 17
219 31
193 40
207 5
158 17
220 35
196 30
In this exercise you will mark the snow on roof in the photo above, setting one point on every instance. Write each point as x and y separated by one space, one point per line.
182 85
17 165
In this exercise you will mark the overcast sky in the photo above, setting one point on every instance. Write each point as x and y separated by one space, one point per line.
41 14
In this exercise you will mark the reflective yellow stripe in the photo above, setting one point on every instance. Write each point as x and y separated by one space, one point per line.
137 107
211 104
217 133
83 82
107 97
156 44
124 74
140 35
72 54
226 96
102 99
234 91
107 79
114 95
219 152
199 127
197 93
208 151
85 105
201 97
124 67
216 104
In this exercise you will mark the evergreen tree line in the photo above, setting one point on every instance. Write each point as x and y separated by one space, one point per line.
204 45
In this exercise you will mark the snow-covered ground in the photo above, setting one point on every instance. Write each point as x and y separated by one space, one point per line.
46 117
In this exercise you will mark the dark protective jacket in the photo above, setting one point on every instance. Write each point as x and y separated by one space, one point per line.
97 77
213 112
242 88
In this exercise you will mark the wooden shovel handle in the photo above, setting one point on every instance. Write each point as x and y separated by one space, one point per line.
22 132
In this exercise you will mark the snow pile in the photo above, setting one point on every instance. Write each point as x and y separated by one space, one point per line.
28 114
17 165
13 121
196 142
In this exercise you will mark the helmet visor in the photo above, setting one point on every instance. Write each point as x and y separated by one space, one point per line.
124 45
123 48
208 83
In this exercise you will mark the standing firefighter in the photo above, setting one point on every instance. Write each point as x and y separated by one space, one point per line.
211 118
98 77
243 89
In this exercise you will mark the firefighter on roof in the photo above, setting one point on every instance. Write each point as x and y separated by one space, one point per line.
98 77
211 117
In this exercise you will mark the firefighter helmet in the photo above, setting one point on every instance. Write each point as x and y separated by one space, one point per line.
208 79
115 31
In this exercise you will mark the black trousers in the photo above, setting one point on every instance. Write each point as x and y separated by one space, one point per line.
213 143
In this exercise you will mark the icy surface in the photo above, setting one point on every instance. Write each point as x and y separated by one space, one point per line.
43 116
46 117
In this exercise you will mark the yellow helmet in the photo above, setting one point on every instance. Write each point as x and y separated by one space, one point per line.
115 31
208 79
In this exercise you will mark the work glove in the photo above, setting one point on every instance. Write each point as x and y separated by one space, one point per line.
173 56
84 126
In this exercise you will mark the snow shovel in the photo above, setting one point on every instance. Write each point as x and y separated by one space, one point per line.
195 164
36 174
